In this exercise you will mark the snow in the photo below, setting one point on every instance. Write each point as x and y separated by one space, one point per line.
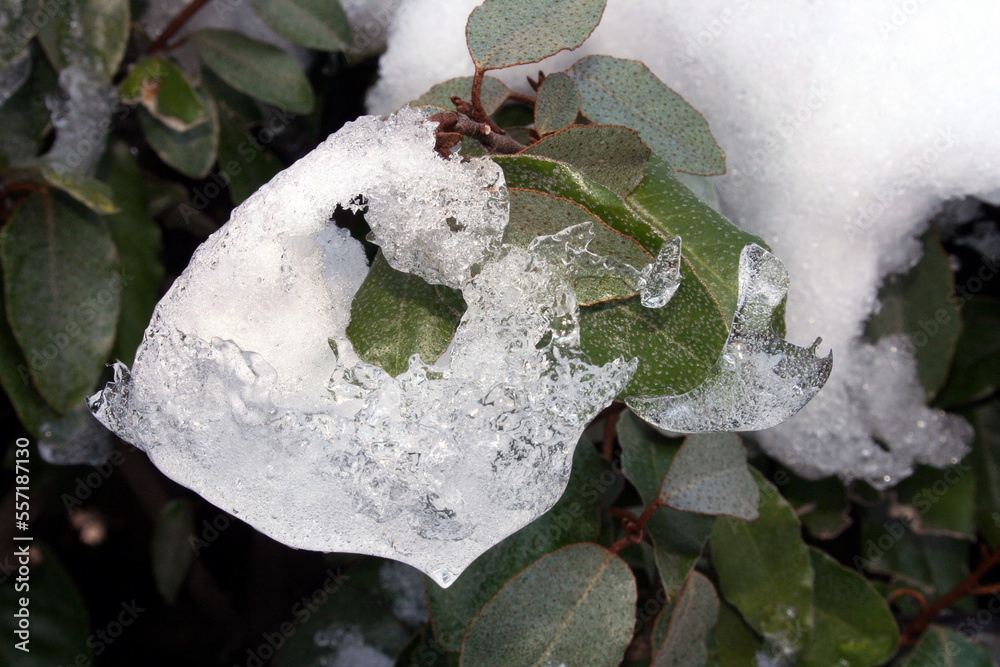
846 126
246 389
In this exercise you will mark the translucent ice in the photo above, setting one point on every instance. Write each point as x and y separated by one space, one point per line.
238 393
760 380
656 283
845 125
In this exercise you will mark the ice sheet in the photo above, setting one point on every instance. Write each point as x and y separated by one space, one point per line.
237 392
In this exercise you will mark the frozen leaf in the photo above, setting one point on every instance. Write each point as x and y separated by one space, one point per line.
493 95
677 346
172 554
164 90
192 152
318 24
63 294
575 518
237 393
975 373
942 646
612 156
853 625
922 305
575 606
624 92
765 572
242 160
256 68
74 438
709 475
760 380
691 622
395 315
87 30
557 104
501 33
599 278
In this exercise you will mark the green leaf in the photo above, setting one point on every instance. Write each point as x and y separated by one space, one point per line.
138 241
975 372
318 24
709 475
609 155
395 315
261 70
193 152
678 537
19 29
246 107
502 33
614 91
941 646
26 118
820 504
764 570
574 606
853 625
736 645
943 500
493 95
557 104
423 651
575 518
92 193
932 564
691 622
172 555
986 466
87 29
63 294
242 161
677 345
922 305
15 378
370 613
164 90
59 627
533 214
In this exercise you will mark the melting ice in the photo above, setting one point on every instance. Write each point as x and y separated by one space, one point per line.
236 393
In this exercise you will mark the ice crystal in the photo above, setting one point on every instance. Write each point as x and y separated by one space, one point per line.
237 393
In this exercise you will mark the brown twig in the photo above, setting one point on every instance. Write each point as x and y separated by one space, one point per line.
635 530
912 632
908 592
452 123
522 98
160 43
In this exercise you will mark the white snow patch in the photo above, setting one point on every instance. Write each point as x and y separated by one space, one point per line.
845 125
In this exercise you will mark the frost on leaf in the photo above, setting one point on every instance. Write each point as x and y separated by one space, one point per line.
760 380
247 390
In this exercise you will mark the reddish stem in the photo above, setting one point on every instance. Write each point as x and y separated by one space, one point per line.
968 586
635 530
160 43
522 98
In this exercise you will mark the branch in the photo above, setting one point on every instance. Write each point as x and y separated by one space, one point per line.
635 530
183 17
452 126
968 586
